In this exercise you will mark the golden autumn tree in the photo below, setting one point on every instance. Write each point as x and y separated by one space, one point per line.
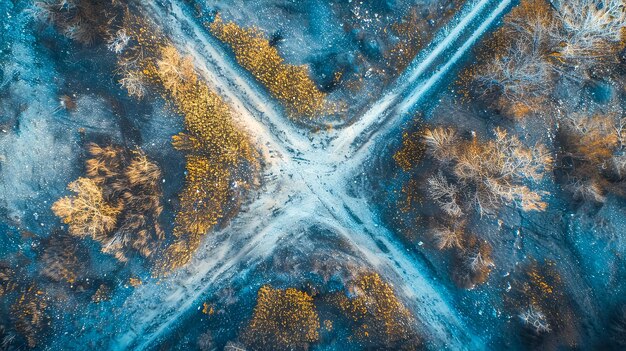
221 161
289 84
380 319
86 213
282 320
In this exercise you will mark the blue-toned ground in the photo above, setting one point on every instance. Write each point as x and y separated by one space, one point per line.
334 244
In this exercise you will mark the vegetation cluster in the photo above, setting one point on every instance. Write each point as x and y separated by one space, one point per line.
118 204
288 83
542 43
366 314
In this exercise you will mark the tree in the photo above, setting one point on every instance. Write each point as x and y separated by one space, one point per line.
86 213
86 21
445 195
381 321
134 83
533 318
472 262
175 71
441 143
118 204
541 41
29 315
59 258
519 76
515 71
119 41
283 320
593 155
7 279
447 237
205 341
288 83
218 153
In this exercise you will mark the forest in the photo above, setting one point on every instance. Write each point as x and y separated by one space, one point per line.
271 175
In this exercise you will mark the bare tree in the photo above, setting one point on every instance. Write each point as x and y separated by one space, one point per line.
234 346
445 195
134 82
519 75
205 341
485 174
587 190
119 41
440 143
446 237
535 319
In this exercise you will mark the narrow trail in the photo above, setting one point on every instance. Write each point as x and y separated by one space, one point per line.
306 185
427 70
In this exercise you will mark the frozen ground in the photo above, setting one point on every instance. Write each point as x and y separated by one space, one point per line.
310 180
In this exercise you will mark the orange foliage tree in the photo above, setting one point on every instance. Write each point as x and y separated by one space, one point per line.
283 320
221 161
288 83
381 319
